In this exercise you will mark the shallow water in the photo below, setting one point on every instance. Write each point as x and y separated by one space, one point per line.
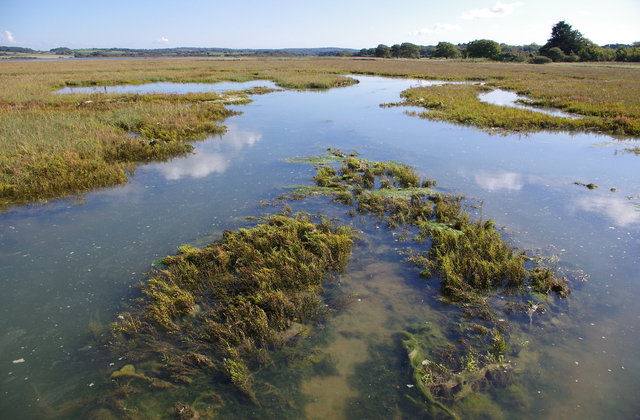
169 87
67 265
506 98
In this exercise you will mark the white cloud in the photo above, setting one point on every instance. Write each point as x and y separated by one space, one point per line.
499 10
8 37
163 40
438 27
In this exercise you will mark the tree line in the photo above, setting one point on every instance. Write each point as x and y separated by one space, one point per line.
565 44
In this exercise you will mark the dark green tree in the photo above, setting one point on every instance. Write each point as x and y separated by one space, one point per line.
395 50
383 51
61 51
426 50
569 40
446 50
483 48
591 52
367 52
409 50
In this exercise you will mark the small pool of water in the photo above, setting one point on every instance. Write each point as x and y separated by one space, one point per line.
502 97
170 88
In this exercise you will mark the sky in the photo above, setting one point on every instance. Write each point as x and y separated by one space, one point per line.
257 24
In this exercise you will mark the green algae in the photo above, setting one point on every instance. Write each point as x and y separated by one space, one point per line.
322 159
405 193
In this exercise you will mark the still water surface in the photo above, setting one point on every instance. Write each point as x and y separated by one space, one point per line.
68 264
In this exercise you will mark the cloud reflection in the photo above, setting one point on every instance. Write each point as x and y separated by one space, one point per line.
496 181
618 210
206 162
196 166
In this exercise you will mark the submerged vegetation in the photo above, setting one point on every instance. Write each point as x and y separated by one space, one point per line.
477 271
213 329
223 310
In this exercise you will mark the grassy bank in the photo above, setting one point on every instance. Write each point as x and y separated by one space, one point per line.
76 144
460 104
58 145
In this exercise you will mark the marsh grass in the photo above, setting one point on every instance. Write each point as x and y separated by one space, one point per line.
77 144
210 321
460 104
55 145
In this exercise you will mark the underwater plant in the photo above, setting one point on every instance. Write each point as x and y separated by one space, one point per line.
220 310
476 269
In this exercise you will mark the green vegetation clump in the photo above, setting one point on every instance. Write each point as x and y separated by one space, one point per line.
478 273
446 50
469 257
221 308
540 59
590 185
568 44
483 48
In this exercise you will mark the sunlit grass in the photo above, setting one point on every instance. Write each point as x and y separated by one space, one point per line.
460 104
87 137
77 144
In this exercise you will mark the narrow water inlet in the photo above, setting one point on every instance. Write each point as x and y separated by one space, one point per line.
169 88
507 98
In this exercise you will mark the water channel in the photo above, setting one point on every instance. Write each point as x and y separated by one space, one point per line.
71 264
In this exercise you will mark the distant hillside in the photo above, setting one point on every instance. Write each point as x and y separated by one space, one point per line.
178 52
16 50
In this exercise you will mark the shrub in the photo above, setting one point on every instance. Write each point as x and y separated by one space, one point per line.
556 54
511 57
483 48
540 59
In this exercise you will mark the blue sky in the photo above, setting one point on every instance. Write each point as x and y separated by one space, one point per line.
286 23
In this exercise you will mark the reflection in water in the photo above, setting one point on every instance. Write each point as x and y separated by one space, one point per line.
169 88
615 208
496 181
196 166
505 98
205 162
